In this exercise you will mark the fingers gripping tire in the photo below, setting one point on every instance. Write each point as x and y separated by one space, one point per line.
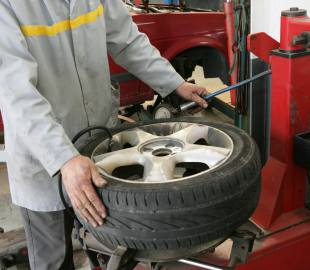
181 214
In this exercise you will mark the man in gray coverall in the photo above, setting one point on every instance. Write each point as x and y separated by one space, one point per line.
54 81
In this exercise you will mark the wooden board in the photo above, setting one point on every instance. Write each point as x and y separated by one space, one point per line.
11 242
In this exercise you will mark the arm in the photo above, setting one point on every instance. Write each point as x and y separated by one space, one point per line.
132 50
34 119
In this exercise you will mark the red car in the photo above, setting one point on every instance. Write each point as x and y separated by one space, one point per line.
186 38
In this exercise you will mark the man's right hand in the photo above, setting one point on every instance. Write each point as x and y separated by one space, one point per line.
78 174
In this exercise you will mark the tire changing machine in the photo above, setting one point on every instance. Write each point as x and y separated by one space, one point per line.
278 234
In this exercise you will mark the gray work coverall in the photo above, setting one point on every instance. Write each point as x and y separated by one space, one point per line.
55 81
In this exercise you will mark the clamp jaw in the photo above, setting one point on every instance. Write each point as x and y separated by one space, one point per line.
303 39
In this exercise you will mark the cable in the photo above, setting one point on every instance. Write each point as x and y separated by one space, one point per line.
74 140
91 128
242 96
63 200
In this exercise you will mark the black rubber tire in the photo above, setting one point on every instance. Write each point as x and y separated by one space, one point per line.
186 213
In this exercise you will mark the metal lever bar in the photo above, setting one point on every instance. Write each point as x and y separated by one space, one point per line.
189 105
203 265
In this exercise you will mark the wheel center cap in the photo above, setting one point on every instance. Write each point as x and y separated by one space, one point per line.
161 147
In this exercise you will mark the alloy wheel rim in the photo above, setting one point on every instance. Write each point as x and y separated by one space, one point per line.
163 152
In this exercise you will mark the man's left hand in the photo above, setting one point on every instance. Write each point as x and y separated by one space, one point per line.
192 92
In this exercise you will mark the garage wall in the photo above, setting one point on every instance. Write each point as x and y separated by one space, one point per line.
266 14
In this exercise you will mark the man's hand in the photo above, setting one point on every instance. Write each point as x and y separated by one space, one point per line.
192 92
78 174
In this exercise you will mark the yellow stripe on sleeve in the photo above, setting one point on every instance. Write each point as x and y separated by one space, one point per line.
53 30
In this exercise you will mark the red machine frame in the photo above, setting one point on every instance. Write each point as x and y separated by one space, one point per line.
284 182
281 211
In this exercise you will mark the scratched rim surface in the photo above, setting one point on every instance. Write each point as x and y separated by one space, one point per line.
163 152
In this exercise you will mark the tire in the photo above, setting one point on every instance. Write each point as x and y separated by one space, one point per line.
182 214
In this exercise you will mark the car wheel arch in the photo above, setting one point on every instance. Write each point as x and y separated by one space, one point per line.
205 55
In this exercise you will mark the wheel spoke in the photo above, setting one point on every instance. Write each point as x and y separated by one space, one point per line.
220 150
209 155
134 137
157 169
125 157
192 133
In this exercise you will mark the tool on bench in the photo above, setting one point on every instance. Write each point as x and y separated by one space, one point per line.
190 105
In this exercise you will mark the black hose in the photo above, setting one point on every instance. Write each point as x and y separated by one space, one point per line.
63 200
74 140
91 128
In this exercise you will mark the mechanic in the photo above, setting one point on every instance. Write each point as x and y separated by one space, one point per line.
54 81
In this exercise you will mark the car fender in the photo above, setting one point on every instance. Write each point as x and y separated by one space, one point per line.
178 47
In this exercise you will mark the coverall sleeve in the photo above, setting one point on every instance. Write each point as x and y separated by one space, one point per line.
30 113
132 50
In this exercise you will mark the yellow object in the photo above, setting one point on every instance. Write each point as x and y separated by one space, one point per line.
53 30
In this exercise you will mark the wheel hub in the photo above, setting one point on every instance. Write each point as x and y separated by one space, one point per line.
161 147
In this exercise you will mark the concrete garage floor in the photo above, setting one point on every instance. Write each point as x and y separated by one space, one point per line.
9 214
